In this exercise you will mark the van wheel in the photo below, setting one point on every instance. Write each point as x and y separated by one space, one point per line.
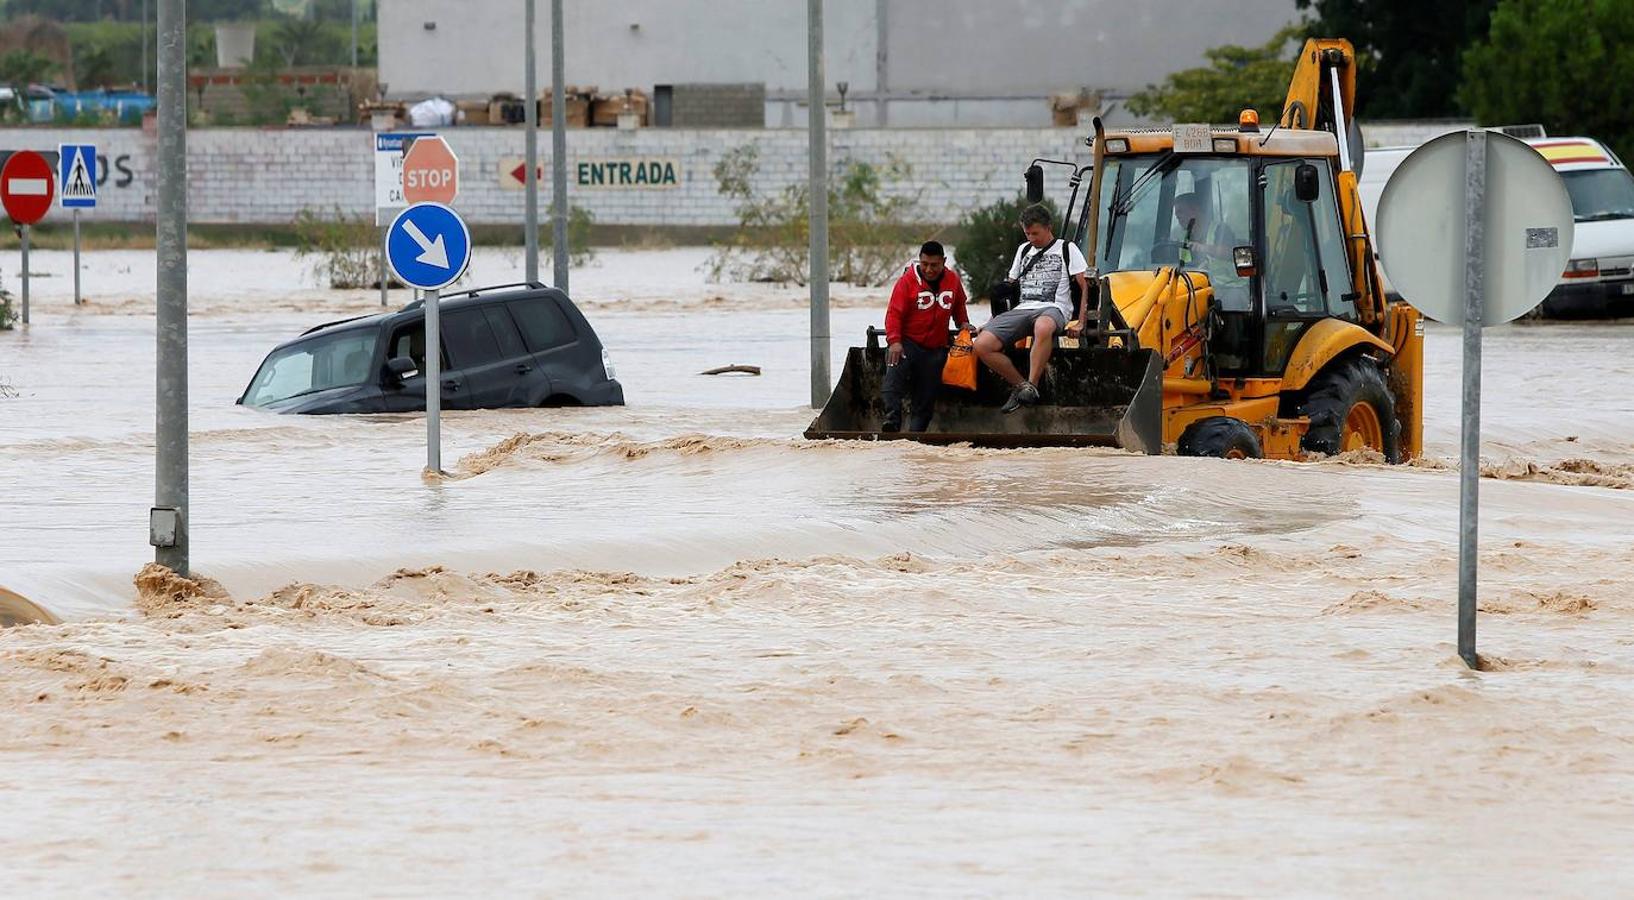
1351 408
1220 436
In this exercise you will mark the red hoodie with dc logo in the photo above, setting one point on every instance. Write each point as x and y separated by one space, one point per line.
919 310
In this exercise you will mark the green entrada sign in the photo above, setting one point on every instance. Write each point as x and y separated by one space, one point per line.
629 173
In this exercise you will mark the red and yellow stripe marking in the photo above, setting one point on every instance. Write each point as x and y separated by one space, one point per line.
1561 153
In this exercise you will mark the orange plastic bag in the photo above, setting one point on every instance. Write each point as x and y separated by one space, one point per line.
960 368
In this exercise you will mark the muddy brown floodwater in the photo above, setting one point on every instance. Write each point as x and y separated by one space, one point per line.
674 649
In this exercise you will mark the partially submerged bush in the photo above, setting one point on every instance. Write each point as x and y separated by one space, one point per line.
869 232
344 245
7 314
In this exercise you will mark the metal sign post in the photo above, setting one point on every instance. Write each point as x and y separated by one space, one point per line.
27 186
26 229
429 248
389 150
1474 229
1469 472
818 135
76 174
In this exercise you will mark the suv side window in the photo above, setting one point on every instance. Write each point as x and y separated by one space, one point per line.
470 341
542 323
410 341
510 342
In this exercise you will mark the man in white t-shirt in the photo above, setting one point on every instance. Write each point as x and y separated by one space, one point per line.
1045 270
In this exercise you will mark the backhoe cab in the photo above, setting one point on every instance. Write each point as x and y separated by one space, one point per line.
1237 307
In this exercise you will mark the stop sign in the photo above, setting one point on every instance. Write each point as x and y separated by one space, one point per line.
26 187
431 174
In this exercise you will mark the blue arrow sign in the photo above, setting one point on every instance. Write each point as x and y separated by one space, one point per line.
428 246
76 176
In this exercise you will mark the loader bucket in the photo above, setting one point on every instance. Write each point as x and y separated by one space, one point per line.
1090 397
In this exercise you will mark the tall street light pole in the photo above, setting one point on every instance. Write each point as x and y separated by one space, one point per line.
818 133
558 148
530 227
168 525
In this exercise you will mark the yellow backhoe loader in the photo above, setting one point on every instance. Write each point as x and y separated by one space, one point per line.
1236 308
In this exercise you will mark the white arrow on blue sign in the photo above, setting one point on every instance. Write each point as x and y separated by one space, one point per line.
76 176
428 246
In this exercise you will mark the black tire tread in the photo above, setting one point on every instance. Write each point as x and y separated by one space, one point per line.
1330 395
1218 435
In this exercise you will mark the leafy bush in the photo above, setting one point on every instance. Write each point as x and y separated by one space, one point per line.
867 229
991 235
579 223
7 314
344 245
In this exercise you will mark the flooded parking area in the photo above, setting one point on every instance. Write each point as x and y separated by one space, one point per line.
678 633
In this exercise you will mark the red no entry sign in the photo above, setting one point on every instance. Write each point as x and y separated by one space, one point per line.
26 187
431 174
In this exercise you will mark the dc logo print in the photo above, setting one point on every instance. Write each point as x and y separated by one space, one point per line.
928 300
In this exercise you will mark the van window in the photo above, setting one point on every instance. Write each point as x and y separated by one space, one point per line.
510 341
1599 195
469 340
542 323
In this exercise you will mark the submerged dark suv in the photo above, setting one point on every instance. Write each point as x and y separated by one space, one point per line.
514 345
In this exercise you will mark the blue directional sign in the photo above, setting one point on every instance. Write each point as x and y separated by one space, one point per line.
76 176
428 246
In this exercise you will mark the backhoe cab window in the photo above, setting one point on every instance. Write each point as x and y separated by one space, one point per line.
1187 211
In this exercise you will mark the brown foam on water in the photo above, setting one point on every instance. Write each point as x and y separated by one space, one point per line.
160 591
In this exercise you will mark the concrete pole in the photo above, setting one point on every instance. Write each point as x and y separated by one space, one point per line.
354 35
434 382
170 432
558 148
530 225
1469 472
820 384
25 274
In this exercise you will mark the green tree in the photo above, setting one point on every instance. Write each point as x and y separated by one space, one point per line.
22 67
1564 63
1408 51
1235 78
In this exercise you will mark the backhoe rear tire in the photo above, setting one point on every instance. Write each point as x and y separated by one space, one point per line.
1220 436
1351 408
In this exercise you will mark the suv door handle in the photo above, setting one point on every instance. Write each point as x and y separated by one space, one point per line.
450 384
523 368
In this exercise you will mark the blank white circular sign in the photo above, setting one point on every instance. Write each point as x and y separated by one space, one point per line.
1421 228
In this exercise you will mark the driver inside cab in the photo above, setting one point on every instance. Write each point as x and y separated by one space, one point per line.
1201 235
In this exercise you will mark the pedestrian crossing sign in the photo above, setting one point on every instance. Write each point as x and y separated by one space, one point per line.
76 176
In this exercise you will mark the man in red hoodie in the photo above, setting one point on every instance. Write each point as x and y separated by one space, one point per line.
925 297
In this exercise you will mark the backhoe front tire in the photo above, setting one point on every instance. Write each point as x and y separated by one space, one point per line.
1351 408
1220 436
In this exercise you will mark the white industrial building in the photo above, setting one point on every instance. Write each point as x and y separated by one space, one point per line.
905 62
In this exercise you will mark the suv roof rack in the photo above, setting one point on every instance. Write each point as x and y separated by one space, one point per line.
475 292
332 324
1533 130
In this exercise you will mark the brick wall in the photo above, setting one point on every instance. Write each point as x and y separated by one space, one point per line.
719 106
256 176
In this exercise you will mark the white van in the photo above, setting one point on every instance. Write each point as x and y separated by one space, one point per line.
1599 281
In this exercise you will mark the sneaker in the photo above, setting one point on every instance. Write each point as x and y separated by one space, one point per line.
1024 395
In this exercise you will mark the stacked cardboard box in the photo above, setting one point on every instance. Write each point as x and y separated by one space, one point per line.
605 109
576 107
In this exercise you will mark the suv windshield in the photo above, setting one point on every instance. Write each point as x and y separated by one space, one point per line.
1600 194
341 359
1177 210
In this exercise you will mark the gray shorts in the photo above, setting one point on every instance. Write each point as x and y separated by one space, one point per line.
1016 324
